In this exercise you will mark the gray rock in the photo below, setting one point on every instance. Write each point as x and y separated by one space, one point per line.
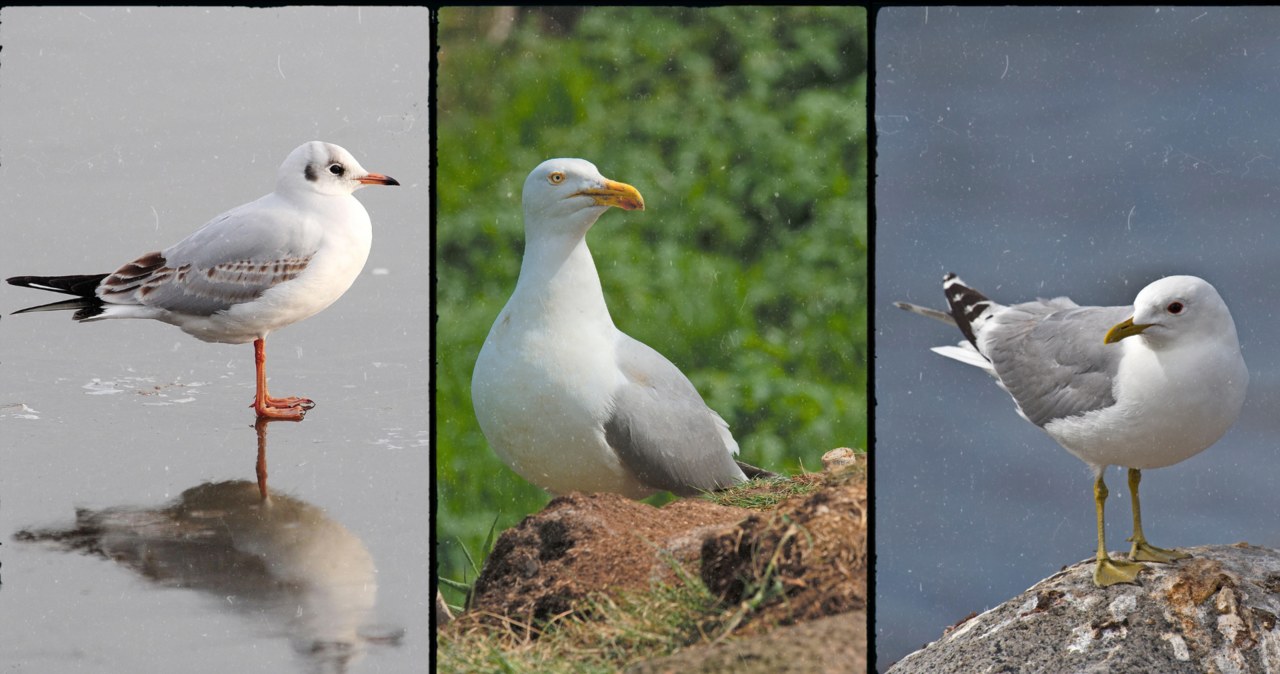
1213 612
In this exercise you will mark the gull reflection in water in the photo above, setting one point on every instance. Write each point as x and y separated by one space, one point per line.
271 557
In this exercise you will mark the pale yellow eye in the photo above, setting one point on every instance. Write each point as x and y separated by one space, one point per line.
555 178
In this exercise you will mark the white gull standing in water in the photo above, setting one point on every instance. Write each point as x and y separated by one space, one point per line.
248 272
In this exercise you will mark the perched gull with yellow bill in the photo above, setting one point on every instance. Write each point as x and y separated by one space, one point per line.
565 398
1140 387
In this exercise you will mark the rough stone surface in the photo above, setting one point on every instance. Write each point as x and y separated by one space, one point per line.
1214 612
840 457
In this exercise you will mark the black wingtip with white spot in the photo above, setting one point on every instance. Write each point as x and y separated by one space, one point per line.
80 285
968 307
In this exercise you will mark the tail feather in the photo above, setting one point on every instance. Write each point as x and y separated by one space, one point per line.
83 286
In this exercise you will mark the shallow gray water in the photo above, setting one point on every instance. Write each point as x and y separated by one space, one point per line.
1044 152
121 131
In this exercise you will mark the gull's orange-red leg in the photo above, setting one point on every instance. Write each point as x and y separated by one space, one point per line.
292 409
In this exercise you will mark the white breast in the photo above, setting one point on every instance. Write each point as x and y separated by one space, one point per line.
1149 426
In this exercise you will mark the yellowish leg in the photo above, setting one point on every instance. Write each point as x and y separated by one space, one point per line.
1142 551
1109 571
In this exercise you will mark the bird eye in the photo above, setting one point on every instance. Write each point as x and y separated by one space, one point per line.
1174 308
336 169
556 177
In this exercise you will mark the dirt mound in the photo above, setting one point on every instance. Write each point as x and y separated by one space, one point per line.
583 543
784 583
832 645
803 560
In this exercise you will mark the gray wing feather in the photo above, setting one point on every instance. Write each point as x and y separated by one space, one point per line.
663 431
234 258
1051 358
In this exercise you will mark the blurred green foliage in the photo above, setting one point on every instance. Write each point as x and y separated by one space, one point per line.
745 130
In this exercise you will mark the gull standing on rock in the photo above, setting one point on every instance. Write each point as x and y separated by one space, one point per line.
565 398
249 271
1142 387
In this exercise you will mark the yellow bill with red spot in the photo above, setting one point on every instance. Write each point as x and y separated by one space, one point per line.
616 194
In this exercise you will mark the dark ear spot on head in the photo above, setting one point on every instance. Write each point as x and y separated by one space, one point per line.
310 172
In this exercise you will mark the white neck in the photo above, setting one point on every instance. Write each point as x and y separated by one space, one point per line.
558 279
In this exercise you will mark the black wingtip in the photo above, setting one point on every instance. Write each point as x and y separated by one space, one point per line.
85 307
967 305
91 309
753 472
